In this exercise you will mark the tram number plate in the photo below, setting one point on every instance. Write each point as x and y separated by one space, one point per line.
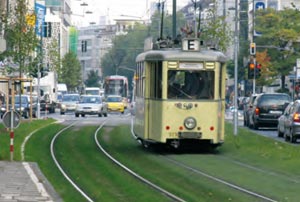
190 135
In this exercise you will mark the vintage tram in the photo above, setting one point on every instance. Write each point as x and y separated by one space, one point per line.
180 95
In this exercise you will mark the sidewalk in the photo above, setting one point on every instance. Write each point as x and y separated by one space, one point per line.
24 182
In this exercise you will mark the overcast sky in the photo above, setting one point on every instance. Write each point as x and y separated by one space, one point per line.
115 8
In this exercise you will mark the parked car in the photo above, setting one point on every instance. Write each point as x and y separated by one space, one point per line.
289 122
69 102
22 106
283 119
91 105
247 107
267 108
115 103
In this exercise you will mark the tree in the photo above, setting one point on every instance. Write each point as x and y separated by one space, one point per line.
93 79
215 32
280 37
71 71
21 39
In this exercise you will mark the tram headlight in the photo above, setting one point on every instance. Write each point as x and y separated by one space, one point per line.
190 123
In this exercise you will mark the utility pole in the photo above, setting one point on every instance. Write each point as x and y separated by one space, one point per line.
236 68
174 19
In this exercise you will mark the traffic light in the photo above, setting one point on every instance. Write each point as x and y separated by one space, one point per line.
251 69
258 70
252 48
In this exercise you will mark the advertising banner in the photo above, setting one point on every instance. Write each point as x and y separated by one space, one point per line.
40 11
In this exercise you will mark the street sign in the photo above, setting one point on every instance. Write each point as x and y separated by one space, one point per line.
11 119
258 6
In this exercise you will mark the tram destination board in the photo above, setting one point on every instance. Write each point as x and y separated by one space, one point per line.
11 119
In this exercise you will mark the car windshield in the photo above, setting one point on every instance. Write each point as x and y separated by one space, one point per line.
23 100
114 99
274 100
70 98
90 100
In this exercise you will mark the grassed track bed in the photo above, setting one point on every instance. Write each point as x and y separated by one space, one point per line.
258 163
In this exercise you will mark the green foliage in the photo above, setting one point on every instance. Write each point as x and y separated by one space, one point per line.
215 32
93 79
21 39
54 55
71 71
280 35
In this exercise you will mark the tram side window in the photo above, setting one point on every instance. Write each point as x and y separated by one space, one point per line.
190 84
156 80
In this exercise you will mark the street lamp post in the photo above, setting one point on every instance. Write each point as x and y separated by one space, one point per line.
235 68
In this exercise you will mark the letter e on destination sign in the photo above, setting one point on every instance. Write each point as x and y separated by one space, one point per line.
190 45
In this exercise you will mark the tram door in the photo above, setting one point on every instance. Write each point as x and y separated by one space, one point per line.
155 98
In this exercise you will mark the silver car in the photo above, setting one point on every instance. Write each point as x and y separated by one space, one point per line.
289 122
91 105
69 102
282 119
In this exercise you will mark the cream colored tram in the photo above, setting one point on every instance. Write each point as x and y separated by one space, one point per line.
180 95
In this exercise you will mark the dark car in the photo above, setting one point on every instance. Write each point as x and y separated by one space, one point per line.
267 108
22 106
289 122
247 107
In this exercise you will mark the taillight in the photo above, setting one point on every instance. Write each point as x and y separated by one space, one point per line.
256 111
296 117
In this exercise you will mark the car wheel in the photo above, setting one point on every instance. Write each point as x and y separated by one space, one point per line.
255 125
99 115
82 115
26 114
105 114
76 115
286 138
62 113
292 137
279 133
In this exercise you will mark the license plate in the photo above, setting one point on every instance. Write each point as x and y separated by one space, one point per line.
275 112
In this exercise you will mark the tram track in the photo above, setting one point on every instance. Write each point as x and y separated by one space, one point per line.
177 162
61 169
215 178
170 195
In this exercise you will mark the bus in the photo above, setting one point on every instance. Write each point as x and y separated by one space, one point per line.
117 85
180 96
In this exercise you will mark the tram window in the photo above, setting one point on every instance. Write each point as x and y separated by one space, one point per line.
156 80
190 84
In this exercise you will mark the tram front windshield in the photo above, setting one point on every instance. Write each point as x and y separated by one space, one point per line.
190 84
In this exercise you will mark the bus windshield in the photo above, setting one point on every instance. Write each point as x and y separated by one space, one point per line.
189 84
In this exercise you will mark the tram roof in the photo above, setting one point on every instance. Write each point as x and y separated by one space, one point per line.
178 54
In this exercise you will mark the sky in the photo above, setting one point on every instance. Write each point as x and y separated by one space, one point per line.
115 9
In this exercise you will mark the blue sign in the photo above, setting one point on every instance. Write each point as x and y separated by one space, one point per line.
260 5
40 12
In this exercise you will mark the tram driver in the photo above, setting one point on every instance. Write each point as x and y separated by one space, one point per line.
190 85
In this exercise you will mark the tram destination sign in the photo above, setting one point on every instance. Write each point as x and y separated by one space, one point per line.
190 45
195 66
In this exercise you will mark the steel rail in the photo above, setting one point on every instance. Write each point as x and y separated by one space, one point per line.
144 180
